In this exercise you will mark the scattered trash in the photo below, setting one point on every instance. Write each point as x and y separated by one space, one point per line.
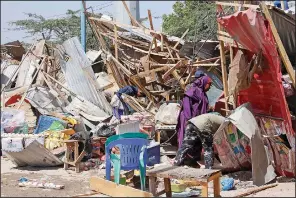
40 185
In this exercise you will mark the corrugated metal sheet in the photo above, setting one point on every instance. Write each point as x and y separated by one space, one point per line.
34 155
79 75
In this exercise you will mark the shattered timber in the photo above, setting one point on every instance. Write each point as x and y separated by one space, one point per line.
63 106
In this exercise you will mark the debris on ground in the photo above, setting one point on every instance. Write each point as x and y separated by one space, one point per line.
61 105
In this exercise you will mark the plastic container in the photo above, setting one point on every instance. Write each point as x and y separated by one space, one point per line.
178 187
153 153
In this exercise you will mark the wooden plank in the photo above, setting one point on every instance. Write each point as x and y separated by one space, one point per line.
183 35
35 75
237 4
112 189
280 45
146 73
230 41
179 78
133 20
167 187
224 71
151 26
178 64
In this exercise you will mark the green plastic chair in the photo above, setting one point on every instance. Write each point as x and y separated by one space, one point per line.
133 155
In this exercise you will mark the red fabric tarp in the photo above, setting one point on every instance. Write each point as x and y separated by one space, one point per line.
266 93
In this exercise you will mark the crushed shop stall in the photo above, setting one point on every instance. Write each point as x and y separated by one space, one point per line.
55 100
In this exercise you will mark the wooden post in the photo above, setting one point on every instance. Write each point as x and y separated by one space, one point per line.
224 71
35 75
115 42
280 45
151 26
184 34
231 54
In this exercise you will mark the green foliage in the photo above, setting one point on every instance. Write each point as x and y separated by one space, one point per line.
199 15
56 30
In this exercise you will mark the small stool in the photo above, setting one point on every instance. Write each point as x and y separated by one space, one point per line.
72 147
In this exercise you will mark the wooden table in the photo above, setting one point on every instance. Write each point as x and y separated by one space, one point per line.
198 176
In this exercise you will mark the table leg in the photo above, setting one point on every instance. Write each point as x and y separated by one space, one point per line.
216 182
152 185
167 187
157 135
204 190
67 155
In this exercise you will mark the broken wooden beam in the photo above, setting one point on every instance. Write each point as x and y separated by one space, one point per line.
166 75
115 190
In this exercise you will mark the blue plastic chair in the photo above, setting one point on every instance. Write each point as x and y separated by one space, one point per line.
133 155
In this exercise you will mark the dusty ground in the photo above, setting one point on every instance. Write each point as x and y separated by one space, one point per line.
75 183
78 183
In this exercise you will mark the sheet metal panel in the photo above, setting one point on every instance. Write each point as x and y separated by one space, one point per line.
34 155
79 75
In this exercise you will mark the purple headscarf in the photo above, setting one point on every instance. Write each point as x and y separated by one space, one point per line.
194 103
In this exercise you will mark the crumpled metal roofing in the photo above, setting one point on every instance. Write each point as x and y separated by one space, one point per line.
266 93
35 154
79 75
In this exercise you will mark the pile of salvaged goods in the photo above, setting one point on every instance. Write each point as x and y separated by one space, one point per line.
55 99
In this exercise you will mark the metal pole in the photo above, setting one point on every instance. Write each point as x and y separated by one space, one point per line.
83 26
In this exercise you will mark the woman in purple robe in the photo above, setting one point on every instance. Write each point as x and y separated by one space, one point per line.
194 103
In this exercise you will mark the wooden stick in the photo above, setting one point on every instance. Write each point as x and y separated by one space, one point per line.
134 21
71 92
280 45
183 35
257 189
224 71
237 4
115 42
89 194
151 26
161 40
25 94
164 76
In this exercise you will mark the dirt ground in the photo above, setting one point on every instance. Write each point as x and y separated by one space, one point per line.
78 183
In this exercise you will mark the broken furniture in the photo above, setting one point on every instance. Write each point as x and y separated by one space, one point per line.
160 128
133 154
72 148
167 172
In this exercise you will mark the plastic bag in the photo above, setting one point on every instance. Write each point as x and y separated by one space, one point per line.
12 120
168 113
227 184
